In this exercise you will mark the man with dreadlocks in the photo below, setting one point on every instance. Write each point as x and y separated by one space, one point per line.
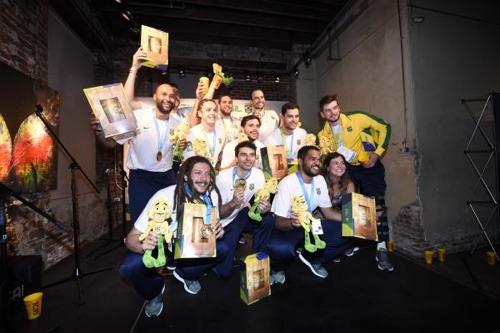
195 183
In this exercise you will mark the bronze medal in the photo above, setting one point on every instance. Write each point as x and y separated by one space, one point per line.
159 156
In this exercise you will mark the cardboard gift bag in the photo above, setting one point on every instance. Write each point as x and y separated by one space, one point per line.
254 278
274 163
195 236
359 216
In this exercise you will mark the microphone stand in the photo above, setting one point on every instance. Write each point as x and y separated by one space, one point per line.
111 202
77 274
5 193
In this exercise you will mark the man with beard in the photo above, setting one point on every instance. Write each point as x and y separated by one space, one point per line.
268 118
289 135
230 125
362 139
150 152
289 233
238 185
250 126
195 184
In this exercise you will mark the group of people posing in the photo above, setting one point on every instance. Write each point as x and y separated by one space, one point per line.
345 159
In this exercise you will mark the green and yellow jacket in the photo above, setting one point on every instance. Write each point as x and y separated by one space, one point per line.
361 133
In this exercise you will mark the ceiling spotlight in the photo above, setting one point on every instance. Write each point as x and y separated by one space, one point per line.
247 77
182 71
296 73
277 79
127 15
119 1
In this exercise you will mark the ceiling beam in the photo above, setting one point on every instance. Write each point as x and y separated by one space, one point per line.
301 10
218 33
230 17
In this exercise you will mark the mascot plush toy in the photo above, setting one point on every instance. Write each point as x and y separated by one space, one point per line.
159 216
271 186
299 207
180 133
310 139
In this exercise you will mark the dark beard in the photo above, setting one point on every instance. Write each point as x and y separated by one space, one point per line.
159 106
309 172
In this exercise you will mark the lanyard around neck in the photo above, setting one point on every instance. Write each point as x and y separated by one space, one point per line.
309 197
163 138
206 200
245 177
214 142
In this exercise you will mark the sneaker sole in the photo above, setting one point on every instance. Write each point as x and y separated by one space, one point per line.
382 268
308 264
178 278
353 252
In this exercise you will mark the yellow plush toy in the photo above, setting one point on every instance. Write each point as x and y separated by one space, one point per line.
180 133
159 215
325 144
242 137
310 139
299 207
270 186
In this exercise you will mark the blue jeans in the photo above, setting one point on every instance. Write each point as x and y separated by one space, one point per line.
283 244
146 281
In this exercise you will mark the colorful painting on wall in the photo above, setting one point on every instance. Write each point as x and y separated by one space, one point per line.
28 153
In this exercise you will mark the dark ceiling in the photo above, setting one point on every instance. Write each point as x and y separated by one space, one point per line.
262 23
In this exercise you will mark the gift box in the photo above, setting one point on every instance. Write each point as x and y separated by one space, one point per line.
112 109
254 278
195 236
359 216
155 43
274 163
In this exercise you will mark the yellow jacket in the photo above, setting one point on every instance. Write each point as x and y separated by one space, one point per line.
361 133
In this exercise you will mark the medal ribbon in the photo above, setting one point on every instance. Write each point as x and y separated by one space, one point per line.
309 198
161 141
206 200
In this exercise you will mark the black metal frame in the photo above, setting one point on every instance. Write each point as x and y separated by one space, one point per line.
492 154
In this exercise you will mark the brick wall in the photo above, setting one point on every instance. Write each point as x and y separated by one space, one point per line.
23 36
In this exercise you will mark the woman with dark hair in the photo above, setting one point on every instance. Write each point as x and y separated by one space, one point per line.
337 179
338 183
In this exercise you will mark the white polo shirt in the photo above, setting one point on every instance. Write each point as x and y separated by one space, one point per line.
290 187
228 155
269 121
292 142
145 144
225 183
168 194
214 141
